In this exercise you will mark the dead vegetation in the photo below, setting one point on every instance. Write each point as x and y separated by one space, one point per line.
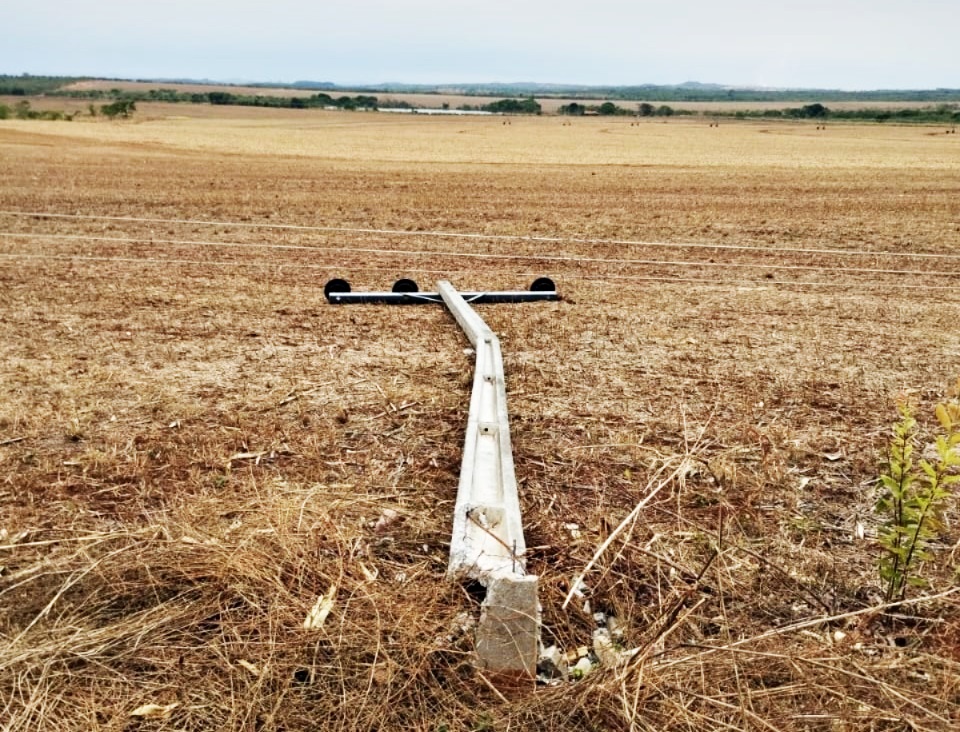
195 447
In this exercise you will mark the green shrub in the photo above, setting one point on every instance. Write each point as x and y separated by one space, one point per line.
573 109
119 108
514 106
913 493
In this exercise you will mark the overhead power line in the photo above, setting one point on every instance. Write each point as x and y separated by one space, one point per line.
365 268
485 255
492 237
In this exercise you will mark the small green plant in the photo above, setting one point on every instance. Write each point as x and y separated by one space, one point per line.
913 493
483 723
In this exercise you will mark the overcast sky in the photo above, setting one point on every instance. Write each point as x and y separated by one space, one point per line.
849 44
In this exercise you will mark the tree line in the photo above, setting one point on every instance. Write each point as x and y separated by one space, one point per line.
315 101
28 84
122 102
607 109
23 110
942 113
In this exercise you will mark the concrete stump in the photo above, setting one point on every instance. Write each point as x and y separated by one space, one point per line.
509 631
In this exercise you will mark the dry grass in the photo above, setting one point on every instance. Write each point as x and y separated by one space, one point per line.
194 448
631 155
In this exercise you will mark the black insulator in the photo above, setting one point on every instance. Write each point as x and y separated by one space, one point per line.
405 285
543 284
335 286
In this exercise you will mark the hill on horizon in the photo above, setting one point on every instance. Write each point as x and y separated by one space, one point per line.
688 91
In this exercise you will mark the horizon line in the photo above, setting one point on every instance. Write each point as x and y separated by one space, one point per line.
439 85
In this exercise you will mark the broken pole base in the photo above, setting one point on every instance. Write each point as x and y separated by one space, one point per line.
508 635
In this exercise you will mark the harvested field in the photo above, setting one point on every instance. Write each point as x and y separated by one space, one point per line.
195 446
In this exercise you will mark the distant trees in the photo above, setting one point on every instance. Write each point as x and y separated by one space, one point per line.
314 101
514 106
940 106
22 110
946 113
27 85
120 108
219 97
394 104
815 110
607 109
573 109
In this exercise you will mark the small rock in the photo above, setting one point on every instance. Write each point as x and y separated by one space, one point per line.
604 648
388 518
463 623
552 664
582 668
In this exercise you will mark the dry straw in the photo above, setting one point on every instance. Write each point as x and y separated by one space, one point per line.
193 458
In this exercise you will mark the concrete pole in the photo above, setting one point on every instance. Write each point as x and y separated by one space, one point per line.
487 542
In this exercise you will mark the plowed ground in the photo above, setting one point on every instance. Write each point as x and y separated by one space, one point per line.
194 445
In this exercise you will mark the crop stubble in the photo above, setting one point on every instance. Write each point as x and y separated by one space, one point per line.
140 361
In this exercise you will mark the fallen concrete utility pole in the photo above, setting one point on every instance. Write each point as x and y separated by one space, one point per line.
487 543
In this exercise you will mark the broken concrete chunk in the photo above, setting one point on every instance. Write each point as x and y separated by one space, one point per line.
509 631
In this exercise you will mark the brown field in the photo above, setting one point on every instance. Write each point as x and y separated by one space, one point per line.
194 445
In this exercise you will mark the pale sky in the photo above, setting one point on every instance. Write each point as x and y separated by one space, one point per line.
847 44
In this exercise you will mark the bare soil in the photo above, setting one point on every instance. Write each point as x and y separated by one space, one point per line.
194 445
